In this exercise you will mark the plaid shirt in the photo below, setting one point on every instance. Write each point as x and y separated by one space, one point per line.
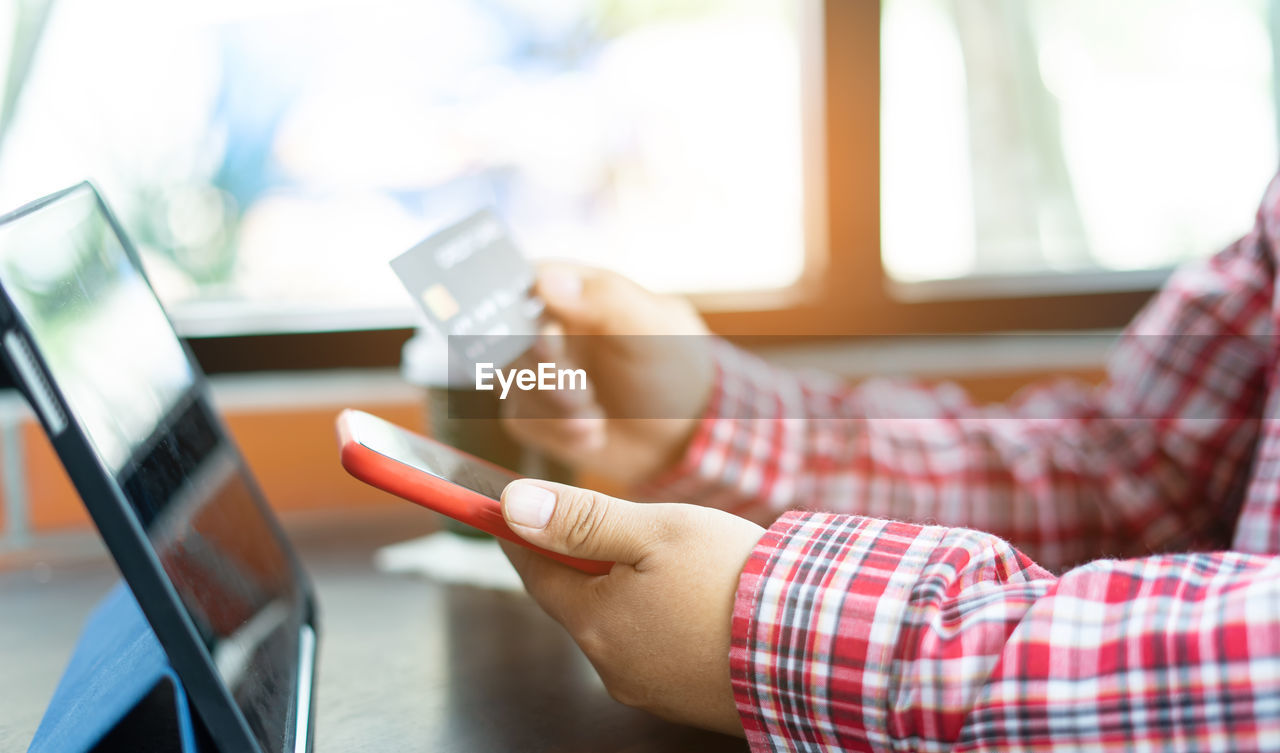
855 632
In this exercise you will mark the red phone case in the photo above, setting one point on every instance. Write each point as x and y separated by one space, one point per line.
445 497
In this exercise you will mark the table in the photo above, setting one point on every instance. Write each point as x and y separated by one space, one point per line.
406 664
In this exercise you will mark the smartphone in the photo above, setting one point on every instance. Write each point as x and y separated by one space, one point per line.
436 476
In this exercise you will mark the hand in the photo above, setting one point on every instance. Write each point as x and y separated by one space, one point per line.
644 355
657 627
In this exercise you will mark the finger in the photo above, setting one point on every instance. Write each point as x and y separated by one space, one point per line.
563 424
585 300
563 437
557 588
582 523
547 346
561 287
552 404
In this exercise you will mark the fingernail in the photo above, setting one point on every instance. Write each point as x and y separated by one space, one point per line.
529 505
560 284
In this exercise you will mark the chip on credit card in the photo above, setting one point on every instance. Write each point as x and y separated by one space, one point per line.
475 288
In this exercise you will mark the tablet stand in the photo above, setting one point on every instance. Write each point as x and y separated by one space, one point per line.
119 692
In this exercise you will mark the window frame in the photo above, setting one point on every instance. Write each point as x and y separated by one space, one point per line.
855 296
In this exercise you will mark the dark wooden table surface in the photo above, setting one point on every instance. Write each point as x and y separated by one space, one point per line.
406 664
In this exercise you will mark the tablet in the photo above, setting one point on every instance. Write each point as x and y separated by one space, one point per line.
128 412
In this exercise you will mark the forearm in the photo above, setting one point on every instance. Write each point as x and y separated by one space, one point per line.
858 633
1068 473
774 440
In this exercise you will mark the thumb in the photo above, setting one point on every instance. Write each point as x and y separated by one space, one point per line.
574 295
579 522
585 300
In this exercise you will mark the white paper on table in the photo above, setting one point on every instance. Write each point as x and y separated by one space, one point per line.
448 557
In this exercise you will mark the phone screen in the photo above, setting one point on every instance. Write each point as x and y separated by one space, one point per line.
430 457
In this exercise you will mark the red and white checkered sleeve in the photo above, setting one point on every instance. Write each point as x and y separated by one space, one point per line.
1066 472
854 633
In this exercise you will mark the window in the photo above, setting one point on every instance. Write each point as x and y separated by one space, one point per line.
270 156
1041 164
1068 136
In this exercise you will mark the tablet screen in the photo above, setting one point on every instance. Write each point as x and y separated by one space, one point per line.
138 402
96 322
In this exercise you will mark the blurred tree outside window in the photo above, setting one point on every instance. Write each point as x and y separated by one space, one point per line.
1058 136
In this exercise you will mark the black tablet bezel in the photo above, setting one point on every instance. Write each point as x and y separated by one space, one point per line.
123 533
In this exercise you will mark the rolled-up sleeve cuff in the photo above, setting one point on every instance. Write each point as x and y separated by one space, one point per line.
816 615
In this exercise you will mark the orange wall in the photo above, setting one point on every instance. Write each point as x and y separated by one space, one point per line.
292 452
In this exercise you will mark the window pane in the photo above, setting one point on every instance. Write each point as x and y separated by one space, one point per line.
272 155
1071 135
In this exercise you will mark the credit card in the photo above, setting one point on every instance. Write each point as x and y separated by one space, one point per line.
475 288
